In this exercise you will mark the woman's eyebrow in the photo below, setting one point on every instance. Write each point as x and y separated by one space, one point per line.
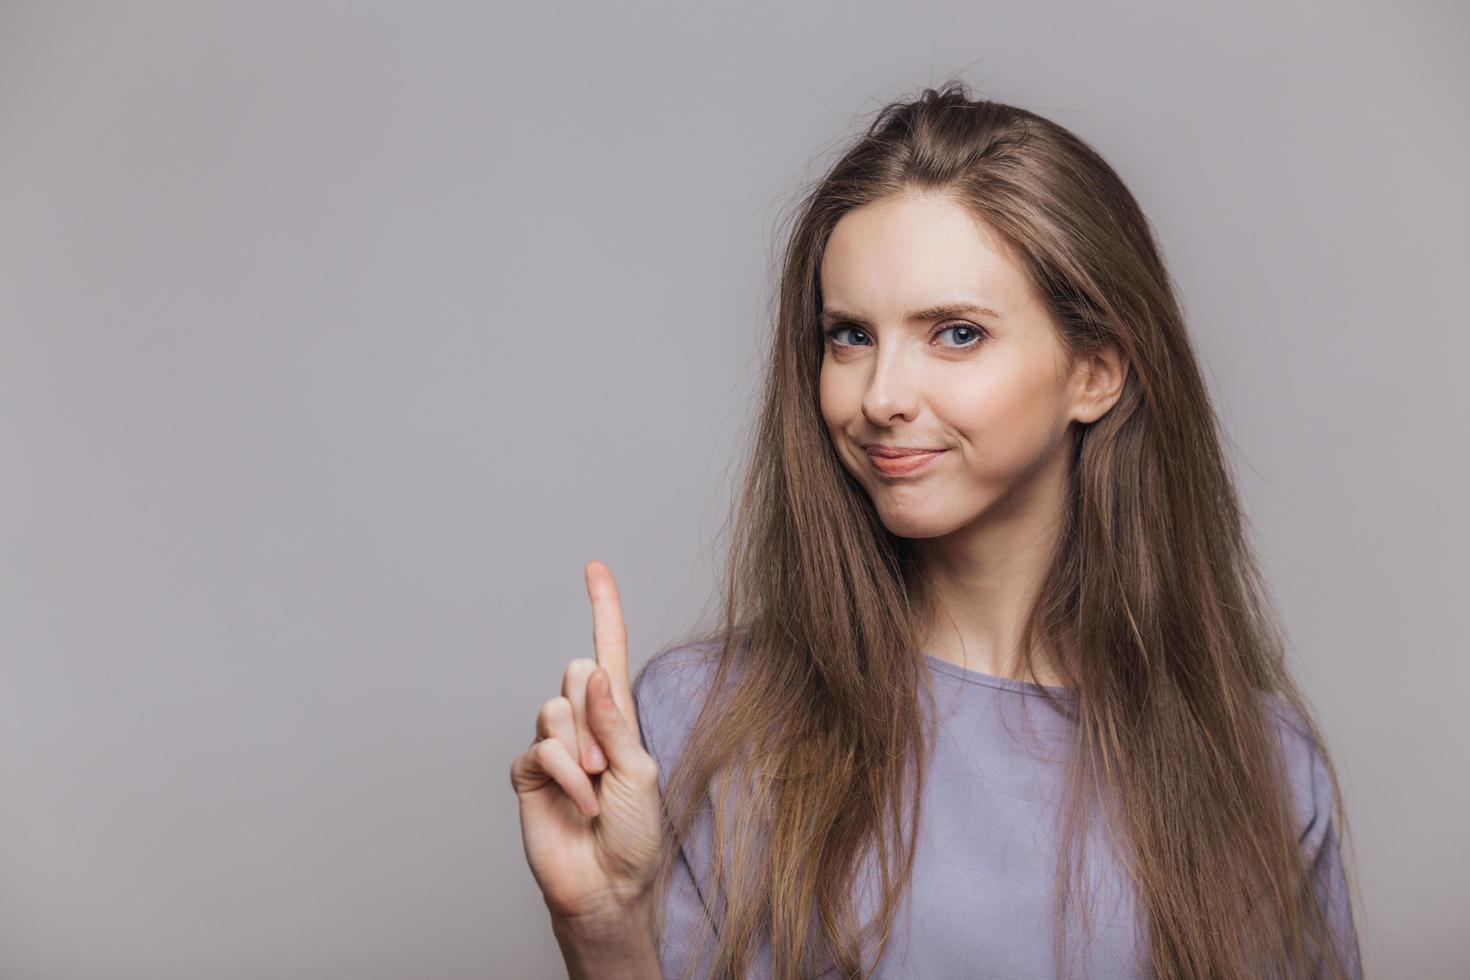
832 314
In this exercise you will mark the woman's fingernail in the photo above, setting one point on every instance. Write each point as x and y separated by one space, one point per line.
595 756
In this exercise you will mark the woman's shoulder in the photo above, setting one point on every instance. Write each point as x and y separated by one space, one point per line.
1313 804
677 672
1306 769
668 693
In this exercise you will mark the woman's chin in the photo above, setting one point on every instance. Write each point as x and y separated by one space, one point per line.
908 524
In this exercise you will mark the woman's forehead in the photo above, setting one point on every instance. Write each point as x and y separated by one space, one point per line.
892 259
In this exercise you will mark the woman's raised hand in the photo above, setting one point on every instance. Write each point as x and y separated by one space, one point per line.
590 811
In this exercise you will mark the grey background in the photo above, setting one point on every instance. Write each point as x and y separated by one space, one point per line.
336 337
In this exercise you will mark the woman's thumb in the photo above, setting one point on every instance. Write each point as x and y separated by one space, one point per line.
607 722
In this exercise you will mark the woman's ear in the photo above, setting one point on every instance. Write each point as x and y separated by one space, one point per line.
1100 375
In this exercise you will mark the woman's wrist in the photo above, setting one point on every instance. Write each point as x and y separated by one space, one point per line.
609 946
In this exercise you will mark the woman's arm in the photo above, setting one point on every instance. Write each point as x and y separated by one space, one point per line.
1329 879
613 949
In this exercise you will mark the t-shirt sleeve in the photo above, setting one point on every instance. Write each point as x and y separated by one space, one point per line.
667 695
1317 834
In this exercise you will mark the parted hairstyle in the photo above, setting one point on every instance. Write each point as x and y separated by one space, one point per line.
812 745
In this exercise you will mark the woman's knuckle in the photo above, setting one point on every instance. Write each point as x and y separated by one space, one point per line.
577 672
645 768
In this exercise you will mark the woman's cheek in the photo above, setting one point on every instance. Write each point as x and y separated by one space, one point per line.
829 400
997 428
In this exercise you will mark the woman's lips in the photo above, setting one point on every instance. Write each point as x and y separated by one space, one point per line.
903 465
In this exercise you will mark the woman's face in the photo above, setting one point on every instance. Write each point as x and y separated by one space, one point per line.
991 387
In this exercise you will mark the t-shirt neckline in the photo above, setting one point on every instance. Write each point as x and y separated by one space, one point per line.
992 680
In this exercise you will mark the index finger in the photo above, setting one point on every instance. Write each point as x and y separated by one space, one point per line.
609 635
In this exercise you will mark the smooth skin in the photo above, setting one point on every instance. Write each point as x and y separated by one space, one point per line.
993 387
590 808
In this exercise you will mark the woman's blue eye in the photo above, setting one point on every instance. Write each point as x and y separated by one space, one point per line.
832 334
964 326
976 332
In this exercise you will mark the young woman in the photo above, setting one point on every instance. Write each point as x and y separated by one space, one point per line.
998 689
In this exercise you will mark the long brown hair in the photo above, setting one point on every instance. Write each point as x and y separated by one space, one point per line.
812 744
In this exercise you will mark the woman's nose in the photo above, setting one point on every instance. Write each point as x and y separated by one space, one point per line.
892 390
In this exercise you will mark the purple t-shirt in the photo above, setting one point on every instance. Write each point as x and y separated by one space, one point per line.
981 900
